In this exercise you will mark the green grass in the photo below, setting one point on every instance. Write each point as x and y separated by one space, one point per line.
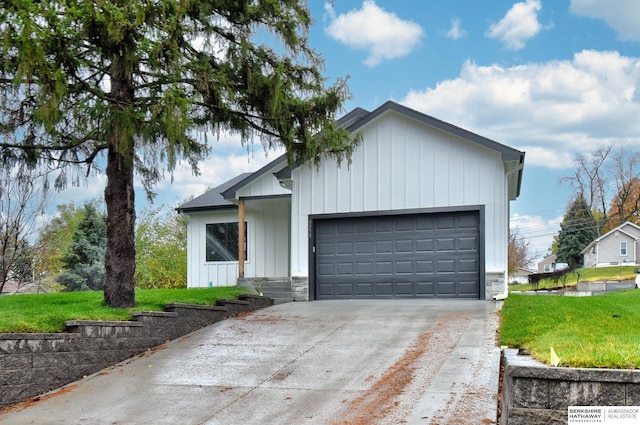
600 331
584 275
48 312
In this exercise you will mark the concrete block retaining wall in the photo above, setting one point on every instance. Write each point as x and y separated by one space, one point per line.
536 394
34 363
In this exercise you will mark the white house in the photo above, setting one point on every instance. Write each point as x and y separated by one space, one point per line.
616 247
422 211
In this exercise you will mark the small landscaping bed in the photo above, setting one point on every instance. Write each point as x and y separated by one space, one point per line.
48 312
591 332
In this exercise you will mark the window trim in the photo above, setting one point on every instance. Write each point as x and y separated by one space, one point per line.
624 248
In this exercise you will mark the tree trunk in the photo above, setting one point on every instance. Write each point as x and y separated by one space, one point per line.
120 260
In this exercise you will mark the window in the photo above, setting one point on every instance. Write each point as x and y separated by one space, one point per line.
222 242
623 248
547 268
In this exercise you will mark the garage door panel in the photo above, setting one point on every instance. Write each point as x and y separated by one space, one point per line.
424 288
469 288
384 247
325 269
364 248
364 228
344 248
403 267
364 268
343 228
344 289
404 288
364 289
445 266
421 255
384 268
405 246
446 288
469 243
445 245
468 265
326 248
344 269
467 221
425 246
446 223
383 289
404 226
425 267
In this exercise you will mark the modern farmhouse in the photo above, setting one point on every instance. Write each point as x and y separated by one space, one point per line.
421 211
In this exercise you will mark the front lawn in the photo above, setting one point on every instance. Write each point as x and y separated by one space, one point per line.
48 312
599 331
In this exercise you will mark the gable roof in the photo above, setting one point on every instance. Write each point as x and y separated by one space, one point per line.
612 231
212 199
357 118
513 159
277 164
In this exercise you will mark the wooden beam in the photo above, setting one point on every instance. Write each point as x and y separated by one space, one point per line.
241 238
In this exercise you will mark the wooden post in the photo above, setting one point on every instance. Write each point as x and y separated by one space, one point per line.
241 238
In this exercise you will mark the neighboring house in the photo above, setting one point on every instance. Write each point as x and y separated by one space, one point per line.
547 264
616 247
520 275
421 211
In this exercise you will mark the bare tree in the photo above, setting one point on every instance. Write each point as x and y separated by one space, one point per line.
590 181
520 254
22 202
625 205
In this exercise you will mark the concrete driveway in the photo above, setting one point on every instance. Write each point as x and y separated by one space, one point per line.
322 362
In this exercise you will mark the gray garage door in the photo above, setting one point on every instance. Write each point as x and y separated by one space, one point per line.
417 255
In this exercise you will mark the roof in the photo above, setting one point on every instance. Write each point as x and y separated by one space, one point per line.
513 159
213 199
230 192
352 121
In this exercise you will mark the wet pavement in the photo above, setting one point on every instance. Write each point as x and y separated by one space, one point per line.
323 362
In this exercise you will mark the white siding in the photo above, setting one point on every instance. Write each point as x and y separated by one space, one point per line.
267 244
265 185
199 271
403 164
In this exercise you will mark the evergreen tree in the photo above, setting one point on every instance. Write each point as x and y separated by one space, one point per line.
84 263
577 230
137 85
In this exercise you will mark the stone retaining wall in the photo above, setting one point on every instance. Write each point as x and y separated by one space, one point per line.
537 394
34 363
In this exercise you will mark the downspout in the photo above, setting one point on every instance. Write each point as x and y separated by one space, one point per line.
505 294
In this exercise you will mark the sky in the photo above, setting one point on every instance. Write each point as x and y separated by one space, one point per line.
548 77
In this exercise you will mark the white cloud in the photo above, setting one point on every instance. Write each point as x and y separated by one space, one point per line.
518 25
213 172
621 15
550 110
456 30
383 34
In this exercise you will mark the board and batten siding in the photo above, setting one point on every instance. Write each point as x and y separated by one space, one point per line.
199 271
268 227
402 164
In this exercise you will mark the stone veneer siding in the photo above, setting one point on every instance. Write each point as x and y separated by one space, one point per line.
34 363
537 394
